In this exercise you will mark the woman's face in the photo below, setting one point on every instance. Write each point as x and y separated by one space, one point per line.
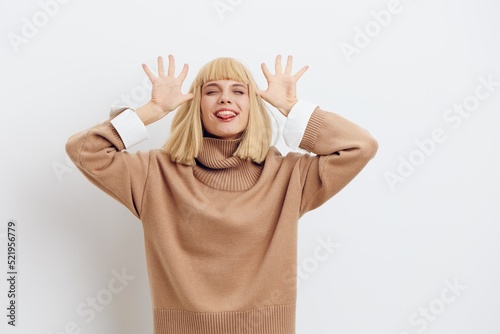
225 106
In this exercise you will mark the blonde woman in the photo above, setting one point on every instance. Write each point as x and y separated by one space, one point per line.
218 204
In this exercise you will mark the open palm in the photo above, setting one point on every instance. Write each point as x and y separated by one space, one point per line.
166 92
281 89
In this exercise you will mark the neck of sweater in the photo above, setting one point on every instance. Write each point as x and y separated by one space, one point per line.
217 167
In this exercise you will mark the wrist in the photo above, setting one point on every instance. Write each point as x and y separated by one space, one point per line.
288 107
296 123
129 127
150 113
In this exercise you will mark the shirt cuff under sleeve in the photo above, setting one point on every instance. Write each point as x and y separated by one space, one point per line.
296 123
129 126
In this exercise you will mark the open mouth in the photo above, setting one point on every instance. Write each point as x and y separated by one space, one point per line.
225 114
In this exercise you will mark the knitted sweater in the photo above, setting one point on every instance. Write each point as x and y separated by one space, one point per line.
221 236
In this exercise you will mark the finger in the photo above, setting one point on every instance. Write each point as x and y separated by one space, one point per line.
278 64
150 74
288 68
302 71
184 72
161 68
266 71
171 65
188 97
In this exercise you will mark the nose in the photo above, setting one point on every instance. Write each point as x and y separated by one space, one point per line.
225 97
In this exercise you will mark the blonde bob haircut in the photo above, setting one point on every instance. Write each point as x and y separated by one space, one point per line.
187 130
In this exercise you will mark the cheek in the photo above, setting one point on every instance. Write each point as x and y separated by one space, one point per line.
244 103
203 111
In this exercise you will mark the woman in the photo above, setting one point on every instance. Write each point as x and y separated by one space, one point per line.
219 207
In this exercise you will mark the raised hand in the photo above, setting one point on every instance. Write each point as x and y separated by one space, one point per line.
166 94
281 87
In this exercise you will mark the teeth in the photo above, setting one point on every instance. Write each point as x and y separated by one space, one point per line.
225 112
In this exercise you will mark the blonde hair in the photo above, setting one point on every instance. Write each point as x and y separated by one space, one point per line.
186 138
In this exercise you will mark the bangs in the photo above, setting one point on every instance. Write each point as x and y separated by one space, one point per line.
223 69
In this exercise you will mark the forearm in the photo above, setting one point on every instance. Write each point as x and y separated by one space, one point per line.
328 133
321 132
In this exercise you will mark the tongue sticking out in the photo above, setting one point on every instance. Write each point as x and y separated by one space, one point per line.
225 116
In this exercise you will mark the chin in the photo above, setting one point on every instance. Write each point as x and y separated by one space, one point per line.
230 136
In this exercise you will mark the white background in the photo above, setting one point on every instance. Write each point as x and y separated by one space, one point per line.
397 245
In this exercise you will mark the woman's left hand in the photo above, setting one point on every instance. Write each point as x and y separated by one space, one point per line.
281 86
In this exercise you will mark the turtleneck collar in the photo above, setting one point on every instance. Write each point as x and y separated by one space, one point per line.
217 167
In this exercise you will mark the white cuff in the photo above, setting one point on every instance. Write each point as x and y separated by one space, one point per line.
129 126
296 123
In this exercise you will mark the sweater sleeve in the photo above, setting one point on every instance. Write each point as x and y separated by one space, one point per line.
342 149
99 153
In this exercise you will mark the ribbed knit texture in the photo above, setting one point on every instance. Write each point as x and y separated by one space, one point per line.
253 321
218 168
221 237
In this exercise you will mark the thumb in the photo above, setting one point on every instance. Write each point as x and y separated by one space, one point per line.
187 97
262 94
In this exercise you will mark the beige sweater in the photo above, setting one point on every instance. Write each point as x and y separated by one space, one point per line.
221 236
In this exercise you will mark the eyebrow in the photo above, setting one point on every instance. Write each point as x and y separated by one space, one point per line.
216 85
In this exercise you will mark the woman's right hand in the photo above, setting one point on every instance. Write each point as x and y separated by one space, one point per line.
166 93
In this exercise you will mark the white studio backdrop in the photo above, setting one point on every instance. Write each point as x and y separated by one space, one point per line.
412 245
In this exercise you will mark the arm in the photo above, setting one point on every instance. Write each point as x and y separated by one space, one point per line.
342 148
99 151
